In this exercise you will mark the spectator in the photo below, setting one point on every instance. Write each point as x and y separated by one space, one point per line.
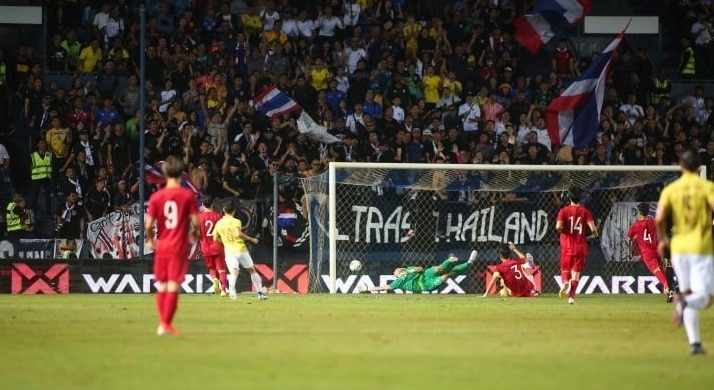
96 202
68 218
15 217
90 58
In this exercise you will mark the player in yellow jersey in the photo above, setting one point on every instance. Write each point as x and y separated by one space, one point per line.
229 231
688 203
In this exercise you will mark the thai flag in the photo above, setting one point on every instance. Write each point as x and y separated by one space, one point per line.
153 174
535 30
272 102
574 116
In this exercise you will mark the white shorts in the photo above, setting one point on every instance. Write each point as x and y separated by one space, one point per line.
242 259
694 272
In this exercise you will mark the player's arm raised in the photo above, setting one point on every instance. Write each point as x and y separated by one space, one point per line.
515 250
494 279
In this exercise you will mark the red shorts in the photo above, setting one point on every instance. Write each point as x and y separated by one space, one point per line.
217 261
168 266
652 262
575 263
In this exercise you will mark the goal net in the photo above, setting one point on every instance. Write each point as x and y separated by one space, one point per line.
393 215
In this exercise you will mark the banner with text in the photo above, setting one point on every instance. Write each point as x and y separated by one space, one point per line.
116 236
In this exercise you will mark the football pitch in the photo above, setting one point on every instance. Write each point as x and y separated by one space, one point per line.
349 341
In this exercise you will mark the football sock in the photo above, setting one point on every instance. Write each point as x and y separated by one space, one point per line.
690 318
460 269
257 282
223 279
573 288
212 272
697 301
671 279
160 303
232 282
170 306
662 278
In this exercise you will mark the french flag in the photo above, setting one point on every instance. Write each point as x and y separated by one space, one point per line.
153 174
273 102
573 117
535 30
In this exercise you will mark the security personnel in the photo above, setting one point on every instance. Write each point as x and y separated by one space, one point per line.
687 63
42 175
661 87
14 216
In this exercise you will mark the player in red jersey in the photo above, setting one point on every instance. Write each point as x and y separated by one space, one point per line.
644 232
570 223
175 212
514 272
212 250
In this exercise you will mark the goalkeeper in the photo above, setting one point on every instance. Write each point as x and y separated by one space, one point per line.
418 279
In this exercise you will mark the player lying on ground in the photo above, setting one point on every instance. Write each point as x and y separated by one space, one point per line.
644 232
418 279
514 274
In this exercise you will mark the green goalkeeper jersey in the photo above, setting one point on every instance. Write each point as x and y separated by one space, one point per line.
408 281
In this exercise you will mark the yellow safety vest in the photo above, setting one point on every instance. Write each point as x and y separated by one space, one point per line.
41 166
660 90
689 67
13 221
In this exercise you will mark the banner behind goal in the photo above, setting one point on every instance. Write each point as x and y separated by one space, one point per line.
393 215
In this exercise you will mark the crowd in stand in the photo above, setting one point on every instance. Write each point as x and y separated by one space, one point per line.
397 81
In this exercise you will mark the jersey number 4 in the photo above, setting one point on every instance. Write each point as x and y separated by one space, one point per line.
646 236
170 214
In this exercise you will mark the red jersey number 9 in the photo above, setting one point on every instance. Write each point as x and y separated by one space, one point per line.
170 214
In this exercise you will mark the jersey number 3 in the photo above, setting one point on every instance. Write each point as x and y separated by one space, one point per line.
517 271
170 214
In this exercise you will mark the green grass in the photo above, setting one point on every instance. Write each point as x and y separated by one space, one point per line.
352 342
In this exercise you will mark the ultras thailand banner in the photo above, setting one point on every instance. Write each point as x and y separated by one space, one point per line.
394 223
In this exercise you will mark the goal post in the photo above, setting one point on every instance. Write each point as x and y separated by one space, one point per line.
390 215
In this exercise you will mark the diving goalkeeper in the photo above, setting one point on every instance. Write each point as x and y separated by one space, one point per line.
418 279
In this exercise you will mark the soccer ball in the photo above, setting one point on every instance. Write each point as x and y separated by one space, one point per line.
355 265
503 293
